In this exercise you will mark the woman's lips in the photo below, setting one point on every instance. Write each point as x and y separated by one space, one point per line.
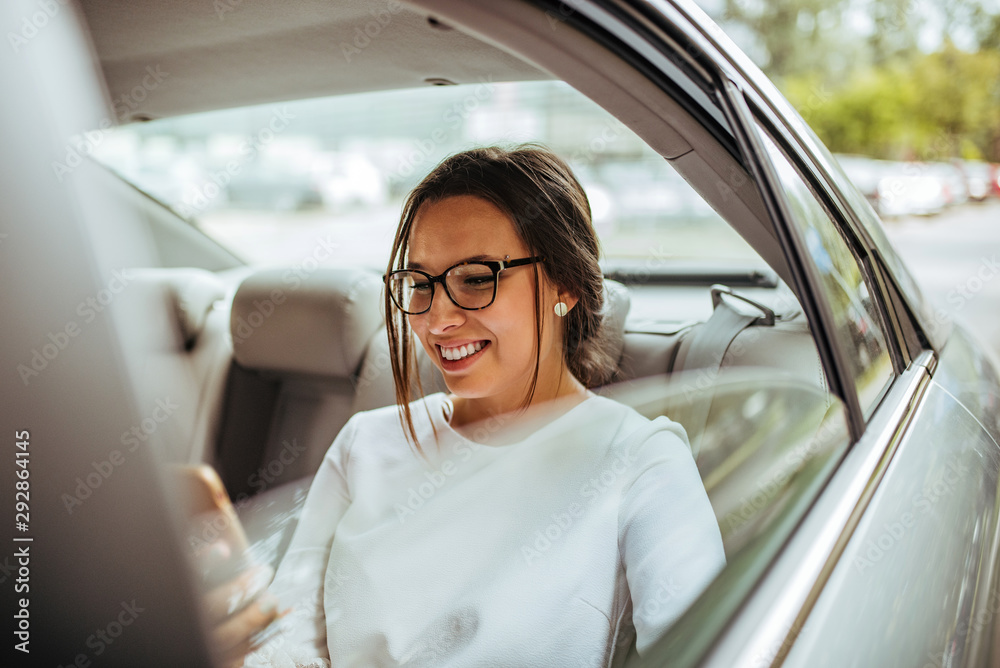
455 357
457 352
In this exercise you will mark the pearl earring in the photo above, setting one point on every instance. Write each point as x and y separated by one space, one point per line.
561 309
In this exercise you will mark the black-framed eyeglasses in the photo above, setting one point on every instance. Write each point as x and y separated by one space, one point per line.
469 285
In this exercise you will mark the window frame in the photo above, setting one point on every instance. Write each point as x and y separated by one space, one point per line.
804 271
702 59
863 260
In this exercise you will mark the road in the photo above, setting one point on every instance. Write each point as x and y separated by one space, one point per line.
955 257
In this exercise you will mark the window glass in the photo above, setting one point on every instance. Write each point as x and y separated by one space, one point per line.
769 446
857 323
272 182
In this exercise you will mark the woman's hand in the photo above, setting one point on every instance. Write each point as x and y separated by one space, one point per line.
242 614
240 611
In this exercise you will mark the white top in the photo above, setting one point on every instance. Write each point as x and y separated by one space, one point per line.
539 553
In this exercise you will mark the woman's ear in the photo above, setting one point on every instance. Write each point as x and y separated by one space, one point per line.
569 299
558 294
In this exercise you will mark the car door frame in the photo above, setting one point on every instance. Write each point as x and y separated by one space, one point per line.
763 633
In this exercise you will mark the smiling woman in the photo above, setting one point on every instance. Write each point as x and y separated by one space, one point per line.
782 392
491 203
550 513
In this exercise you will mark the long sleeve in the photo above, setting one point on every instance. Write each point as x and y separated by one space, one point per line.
669 538
298 581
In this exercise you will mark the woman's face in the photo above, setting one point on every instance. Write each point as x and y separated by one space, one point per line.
497 375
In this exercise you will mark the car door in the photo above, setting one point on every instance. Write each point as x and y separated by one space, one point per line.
915 583
910 576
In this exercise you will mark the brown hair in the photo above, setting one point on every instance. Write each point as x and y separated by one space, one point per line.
551 215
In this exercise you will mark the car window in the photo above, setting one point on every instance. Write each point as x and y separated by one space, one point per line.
272 182
858 325
933 322
769 448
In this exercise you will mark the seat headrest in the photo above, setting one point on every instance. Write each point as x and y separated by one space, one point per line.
316 325
191 292
616 305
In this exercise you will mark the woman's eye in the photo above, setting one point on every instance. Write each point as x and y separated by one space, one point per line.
478 282
421 287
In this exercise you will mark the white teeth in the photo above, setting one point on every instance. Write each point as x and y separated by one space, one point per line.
461 352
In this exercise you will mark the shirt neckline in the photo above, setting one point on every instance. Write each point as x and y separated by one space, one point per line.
441 415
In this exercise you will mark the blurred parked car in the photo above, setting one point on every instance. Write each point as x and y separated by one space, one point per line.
347 179
902 188
865 173
912 189
956 190
981 177
273 188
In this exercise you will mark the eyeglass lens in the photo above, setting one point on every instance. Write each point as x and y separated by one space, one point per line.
471 286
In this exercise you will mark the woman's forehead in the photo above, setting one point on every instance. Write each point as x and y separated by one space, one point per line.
457 228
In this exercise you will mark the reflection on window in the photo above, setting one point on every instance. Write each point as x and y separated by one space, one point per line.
854 311
274 183
769 445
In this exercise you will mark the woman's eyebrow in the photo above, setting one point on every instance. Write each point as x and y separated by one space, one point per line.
474 258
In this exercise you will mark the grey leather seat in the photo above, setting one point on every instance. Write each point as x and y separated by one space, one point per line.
184 353
298 344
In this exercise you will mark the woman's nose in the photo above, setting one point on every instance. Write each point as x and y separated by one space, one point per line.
443 314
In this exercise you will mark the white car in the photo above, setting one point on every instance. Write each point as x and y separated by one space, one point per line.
845 432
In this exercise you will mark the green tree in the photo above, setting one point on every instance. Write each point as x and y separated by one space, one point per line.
896 28
928 107
791 36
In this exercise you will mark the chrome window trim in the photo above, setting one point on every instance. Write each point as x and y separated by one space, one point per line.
766 627
801 155
929 360
808 284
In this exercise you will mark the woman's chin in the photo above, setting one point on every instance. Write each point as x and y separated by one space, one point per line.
466 390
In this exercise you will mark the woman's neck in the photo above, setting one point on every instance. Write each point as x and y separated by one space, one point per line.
470 413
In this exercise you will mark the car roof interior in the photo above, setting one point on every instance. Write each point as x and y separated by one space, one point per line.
275 50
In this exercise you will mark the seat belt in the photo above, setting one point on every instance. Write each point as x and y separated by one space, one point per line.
709 346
